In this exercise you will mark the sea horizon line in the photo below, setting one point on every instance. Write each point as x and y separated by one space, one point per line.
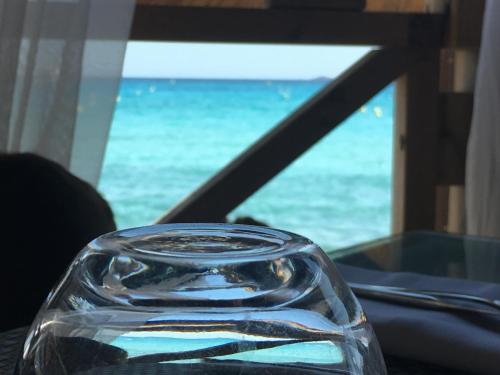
317 79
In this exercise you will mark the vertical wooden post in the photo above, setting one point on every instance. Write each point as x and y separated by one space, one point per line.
399 157
464 39
416 146
415 200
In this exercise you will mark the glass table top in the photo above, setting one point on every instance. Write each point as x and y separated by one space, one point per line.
429 253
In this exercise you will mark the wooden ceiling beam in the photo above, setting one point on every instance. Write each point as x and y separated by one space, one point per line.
285 26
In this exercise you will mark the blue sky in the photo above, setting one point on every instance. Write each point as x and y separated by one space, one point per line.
237 61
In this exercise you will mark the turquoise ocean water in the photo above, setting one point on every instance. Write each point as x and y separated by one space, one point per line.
169 136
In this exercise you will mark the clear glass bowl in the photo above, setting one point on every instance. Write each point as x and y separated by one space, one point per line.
201 299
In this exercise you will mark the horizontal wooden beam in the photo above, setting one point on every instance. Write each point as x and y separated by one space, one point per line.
287 26
293 136
207 3
414 6
343 5
456 122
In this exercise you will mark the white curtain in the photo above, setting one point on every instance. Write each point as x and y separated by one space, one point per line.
483 154
60 69
482 184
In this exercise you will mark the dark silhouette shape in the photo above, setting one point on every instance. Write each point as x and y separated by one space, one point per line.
47 217
248 220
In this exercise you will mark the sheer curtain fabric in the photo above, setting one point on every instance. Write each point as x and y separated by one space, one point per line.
483 154
61 63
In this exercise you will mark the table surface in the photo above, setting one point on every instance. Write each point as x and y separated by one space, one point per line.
430 253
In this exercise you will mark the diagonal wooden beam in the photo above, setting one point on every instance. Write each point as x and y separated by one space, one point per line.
293 136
